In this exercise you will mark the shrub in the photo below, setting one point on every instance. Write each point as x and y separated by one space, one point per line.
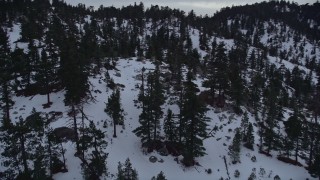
237 173
254 159
277 177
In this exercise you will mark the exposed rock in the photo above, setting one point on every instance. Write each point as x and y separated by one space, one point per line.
153 159
54 115
64 133
163 151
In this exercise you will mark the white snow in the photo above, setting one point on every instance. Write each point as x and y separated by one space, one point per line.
127 144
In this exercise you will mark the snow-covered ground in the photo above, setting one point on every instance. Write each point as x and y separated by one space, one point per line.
127 144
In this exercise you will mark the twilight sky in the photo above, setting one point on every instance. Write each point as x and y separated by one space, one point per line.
201 7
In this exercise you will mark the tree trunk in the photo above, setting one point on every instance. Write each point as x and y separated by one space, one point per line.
24 154
297 149
50 158
75 128
114 128
48 98
63 158
311 143
6 97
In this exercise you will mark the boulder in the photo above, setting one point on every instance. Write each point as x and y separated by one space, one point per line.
153 159
64 133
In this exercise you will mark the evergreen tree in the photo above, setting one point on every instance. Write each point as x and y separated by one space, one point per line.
94 162
45 75
222 64
126 172
217 69
170 127
114 110
244 126
152 98
236 89
55 151
160 176
40 171
234 148
5 75
73 72
249 138
19 143
47 71
157 98
195 121
293 130
314 168
273 111
144 130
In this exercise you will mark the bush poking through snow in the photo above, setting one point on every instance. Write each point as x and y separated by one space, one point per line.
237 173
209 171
277 177
262 172
160 176
254 159
252 176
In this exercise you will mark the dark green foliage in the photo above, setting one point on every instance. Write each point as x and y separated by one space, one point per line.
126 172
160 176
27 142
47 74
94 159
244 125
6 68
170 127
314 169
293 128
195 122
73 72
114 110
249 138
64 49
151 97
217 73
234 148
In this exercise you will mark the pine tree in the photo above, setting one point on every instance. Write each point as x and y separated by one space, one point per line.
94 163
195 121
236 89
73 72
244 126
47 74
55 151
157 98
19 143
40 171
160 176
217 69
151 98
234 148
273 110
126 172
5 75
293 130
314 168
114 110
170 127
144 130
249 142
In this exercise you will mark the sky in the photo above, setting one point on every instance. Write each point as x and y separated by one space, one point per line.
200 7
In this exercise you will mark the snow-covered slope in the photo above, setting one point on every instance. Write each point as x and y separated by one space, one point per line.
127 145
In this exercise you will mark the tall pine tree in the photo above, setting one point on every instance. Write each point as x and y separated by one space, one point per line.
195 121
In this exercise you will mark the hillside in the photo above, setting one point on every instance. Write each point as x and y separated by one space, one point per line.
207 96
